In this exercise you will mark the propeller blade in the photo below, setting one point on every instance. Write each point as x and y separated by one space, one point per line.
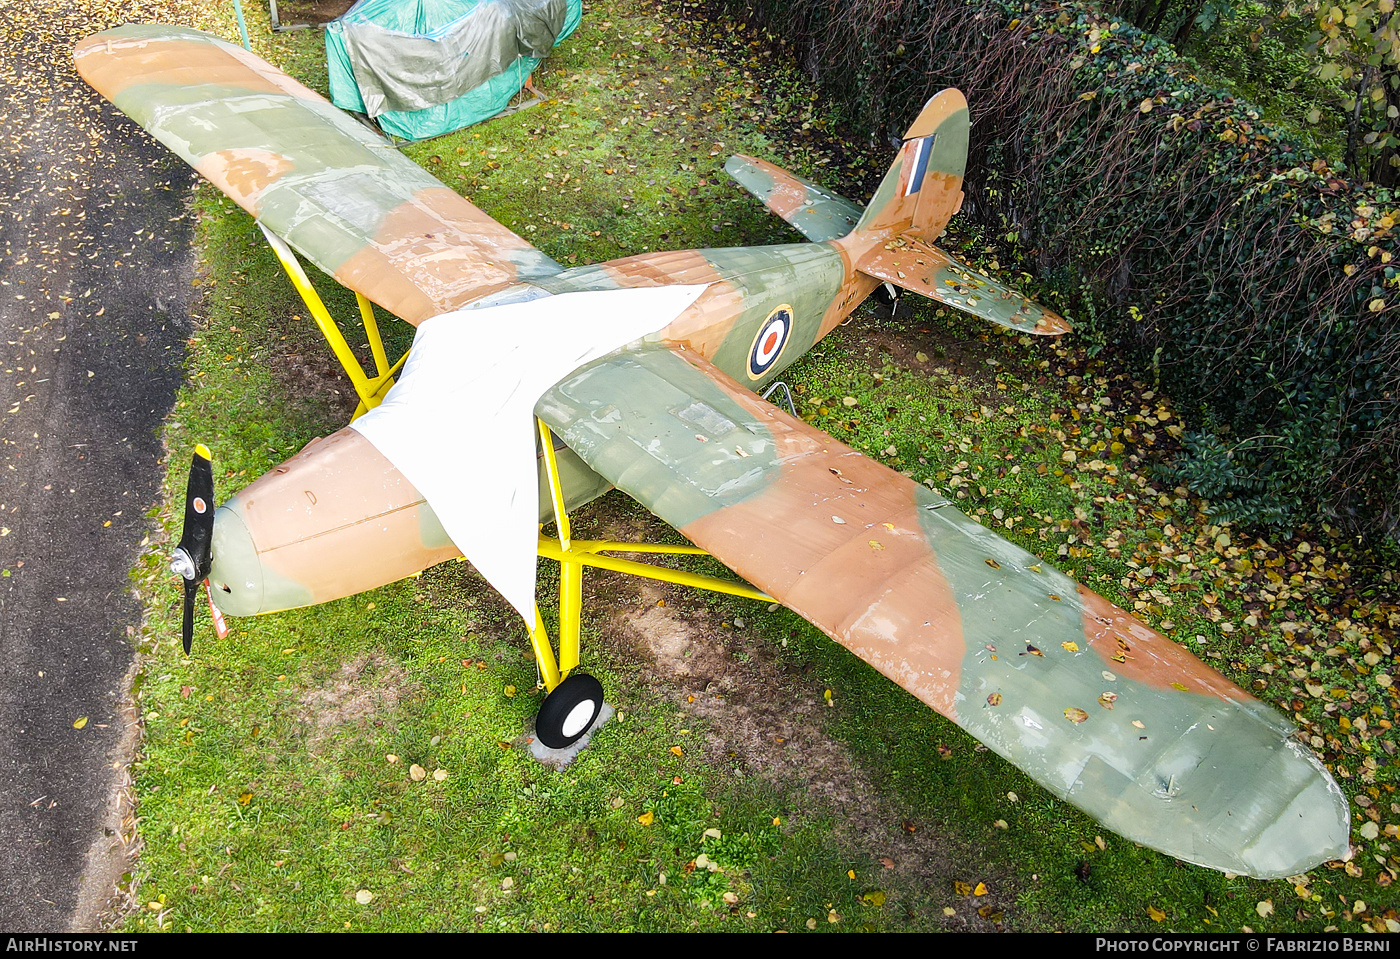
193 556
187 625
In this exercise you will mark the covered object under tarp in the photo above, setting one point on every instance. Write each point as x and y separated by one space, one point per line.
422 68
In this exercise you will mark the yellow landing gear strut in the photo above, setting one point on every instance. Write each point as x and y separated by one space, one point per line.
369 389
569 709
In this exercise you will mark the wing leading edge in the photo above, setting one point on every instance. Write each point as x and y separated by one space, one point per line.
340 195
951 612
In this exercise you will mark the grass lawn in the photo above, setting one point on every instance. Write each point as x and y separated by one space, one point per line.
362 765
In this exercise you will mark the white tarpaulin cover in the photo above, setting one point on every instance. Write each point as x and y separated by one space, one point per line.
459 423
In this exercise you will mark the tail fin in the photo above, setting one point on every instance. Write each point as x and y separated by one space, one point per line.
918 196
923 189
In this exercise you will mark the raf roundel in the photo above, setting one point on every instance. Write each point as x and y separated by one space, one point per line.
768 344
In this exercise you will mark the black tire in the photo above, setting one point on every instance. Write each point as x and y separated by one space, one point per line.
561 719
884 301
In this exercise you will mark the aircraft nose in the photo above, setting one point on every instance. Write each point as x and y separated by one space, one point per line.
236 577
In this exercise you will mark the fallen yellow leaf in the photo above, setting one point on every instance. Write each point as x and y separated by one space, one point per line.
647 818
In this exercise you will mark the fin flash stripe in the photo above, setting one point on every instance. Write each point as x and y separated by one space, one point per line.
922 151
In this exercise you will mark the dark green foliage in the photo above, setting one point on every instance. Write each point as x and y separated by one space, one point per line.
1252 279
1175 19
1264 480
1266 59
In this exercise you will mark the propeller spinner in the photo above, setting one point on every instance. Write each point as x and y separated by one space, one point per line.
193 556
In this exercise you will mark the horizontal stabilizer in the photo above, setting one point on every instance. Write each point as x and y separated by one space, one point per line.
915 265
817 214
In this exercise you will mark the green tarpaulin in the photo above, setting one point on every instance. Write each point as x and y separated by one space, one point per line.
422 68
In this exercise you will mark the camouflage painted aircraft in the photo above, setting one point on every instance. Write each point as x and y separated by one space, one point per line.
1101 710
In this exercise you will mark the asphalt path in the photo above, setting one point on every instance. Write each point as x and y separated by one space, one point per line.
94 314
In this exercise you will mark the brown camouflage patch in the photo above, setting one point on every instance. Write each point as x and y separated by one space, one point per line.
937 110
836 538
337 519
244 174
1134 651
114 64
433 255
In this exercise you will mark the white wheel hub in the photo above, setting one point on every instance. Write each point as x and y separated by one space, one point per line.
578 719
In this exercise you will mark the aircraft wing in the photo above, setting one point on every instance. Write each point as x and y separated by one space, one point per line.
1098 708
341 195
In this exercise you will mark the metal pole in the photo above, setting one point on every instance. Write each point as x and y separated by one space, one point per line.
242 25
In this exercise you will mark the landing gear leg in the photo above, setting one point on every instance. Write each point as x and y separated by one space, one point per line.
886 299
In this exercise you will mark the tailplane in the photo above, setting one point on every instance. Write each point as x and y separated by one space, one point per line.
892 239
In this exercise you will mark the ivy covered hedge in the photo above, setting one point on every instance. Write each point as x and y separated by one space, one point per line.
1257 282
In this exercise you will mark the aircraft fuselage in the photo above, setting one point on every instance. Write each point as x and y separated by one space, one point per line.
338 518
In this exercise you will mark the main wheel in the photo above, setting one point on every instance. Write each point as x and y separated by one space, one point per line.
569 711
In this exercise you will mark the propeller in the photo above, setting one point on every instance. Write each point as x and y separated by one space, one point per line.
193 556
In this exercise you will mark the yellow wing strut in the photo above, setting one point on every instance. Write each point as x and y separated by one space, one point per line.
573 555
369 389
